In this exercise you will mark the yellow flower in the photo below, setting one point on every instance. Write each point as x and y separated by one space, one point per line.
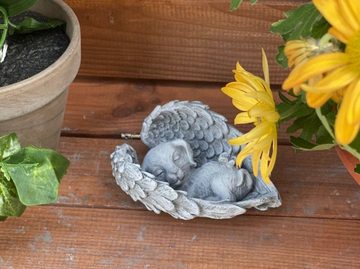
300 51
339 72
253 96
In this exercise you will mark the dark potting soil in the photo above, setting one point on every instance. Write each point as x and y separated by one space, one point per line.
29 54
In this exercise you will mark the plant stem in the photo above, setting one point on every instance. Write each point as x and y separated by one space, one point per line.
4 27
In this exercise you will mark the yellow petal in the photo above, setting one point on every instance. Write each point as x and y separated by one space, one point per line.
262 98
240 86
265 66
254 82
272 116
264 142
314 67
354 104
241 100
264 162
345 132
255 162
296 60
331 11
338 35
334 81
244 105
260 110
273 155
255 133
355 7
295 45
316 100
244 118
349 15
245 152
239 68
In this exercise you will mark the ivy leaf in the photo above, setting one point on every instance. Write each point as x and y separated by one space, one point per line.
29 25
9 145
10 204
302 22
36 174
15 7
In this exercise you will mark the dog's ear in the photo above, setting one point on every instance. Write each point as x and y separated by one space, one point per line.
183 146
244 177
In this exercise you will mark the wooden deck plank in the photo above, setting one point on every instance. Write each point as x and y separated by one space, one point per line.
55 237
194 40
312 185
100 107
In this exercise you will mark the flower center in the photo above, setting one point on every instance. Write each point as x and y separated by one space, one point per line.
353 50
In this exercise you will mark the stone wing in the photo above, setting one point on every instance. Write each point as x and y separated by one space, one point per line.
206 131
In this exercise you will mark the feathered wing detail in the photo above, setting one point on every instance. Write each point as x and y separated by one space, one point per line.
159 197
206 131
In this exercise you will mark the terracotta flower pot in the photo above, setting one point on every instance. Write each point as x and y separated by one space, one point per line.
34 108
349 162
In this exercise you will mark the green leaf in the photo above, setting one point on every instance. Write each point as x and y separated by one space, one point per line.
323 137
2 218
281 57
235 4
298 22
357 169
10 204
15 7
320 28
325 122
36 174
58 162
302 22
293 110
354 147
29 25
9 145
356 144
302 144
313 135
284 98
310 127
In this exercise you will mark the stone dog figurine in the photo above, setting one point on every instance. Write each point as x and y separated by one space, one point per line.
173 162
170 162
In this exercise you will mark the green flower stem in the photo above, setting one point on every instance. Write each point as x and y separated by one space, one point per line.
328 128
4 27
351 151
324 122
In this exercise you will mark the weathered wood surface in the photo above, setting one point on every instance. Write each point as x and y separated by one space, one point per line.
197 40
62 237
111 107
308 185
95 225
